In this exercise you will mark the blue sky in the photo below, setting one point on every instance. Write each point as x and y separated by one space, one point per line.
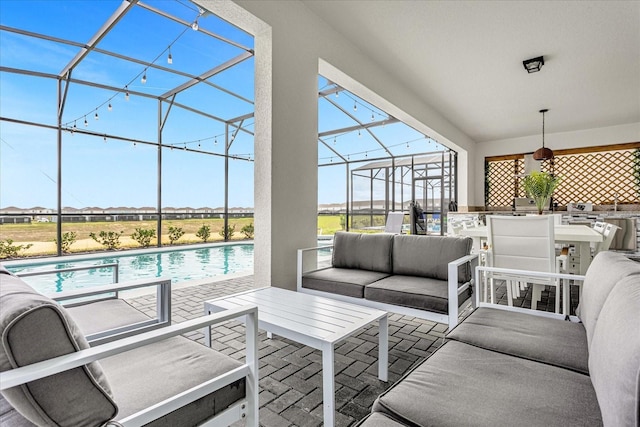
105 172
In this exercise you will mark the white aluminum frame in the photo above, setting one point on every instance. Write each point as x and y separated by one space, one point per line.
484 273
246 409
455 289
163 306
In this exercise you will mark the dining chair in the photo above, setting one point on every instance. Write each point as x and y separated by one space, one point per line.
522 243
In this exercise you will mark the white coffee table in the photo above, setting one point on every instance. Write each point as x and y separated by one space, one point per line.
310 320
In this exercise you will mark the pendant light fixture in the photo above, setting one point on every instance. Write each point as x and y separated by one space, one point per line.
543 153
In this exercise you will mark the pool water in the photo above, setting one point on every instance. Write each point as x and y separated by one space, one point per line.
178 264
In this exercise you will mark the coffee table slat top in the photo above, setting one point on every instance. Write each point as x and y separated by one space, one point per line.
323 318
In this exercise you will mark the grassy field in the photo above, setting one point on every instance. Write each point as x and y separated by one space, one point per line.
42 235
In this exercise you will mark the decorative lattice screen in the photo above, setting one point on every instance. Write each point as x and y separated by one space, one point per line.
597 177
502 182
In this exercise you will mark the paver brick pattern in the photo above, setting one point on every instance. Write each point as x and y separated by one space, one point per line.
291 373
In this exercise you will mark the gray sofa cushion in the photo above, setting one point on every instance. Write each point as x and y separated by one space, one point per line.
555 342
362 251
428 256
35 328
606 269
422 293
177 364
463 385
9 417
614 359
377 419
342 281
104 315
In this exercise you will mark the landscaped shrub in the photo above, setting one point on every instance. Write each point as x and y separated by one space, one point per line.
143 236
247 230
68 239
227 232
9 250
204 233
109 239
174 234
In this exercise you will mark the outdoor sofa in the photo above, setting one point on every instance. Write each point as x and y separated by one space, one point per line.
102 362
428 277
504 366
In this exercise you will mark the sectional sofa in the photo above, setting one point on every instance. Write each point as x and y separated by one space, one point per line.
429 277
507 367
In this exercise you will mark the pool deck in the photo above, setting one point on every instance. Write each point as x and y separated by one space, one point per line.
291 373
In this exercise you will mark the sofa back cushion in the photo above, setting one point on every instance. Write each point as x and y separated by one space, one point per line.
614 357
428 256
362 251
35 328
606 269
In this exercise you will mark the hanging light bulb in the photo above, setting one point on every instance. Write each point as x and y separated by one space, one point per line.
74 125
86 123
366 154
359 134
355 106
143 80
134 144
215 141
334 140
169 58
407 144
96 116
126 93
337 94
104 138
195 25
109 107
372 117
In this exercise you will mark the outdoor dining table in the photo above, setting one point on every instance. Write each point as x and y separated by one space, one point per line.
579 235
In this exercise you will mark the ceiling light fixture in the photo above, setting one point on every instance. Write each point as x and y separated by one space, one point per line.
543 153
534 64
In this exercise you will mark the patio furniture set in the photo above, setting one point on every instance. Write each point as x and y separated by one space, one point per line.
99 360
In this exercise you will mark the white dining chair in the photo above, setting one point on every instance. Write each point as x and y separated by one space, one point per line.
522 243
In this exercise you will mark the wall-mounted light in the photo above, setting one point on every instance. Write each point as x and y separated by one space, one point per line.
534 64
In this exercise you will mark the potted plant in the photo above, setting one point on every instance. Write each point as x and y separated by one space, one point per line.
540 186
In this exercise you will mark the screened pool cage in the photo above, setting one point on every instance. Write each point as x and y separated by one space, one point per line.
177 82
422 186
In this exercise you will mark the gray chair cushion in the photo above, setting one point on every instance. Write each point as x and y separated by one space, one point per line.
342 281
377 419
104 315
147 375
554 342
35 328
606 269
362 251
428 256
422 293
614 358
463 385
9 417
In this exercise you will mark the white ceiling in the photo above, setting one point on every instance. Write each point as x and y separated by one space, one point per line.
464 58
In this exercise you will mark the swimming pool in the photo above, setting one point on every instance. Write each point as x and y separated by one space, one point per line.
179 264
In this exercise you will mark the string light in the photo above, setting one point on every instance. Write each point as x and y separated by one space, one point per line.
372 117
104 138
337 94
334 140
74 125
359 134
126 93
86 123
169 58
195 25
110 107
215 141
355 106
143 80
96 116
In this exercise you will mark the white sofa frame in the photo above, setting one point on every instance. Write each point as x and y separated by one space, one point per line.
484 274
131 337
455 289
